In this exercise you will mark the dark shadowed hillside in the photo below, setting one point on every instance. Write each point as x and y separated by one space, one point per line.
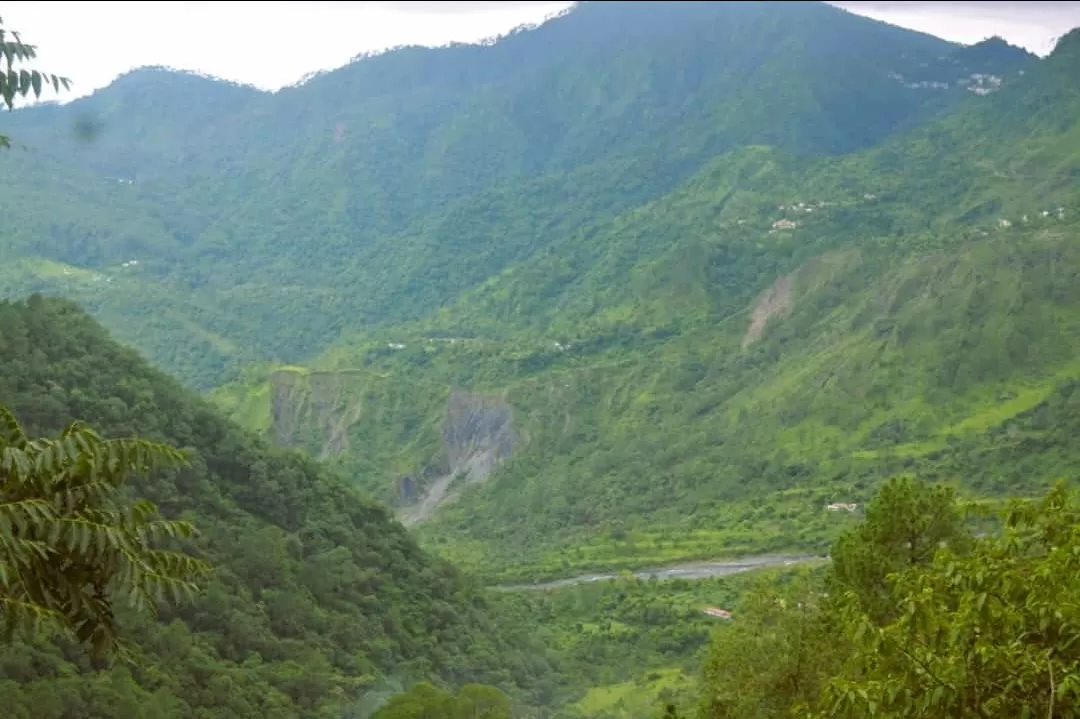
318 596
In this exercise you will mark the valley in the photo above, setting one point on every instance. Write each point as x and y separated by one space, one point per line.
501 362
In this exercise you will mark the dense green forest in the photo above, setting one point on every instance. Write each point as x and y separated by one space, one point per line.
914 617
646 283
418 174
317 597
701 374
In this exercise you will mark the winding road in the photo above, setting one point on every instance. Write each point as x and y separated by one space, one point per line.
689 570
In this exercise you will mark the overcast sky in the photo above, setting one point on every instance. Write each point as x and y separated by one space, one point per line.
271 44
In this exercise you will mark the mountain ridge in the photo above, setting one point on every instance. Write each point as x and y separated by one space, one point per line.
929 205
251 214
591 241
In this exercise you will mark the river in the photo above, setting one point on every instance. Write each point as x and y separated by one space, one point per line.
688 570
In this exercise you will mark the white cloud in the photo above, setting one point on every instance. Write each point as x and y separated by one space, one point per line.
1033 25
468 7
272 44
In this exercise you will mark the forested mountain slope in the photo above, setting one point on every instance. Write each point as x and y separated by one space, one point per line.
318 597
267 223
704 372
651 280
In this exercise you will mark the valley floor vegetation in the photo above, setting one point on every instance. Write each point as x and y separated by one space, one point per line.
916 617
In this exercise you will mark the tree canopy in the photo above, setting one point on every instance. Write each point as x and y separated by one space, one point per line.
424 701
70 545
17 80
919 620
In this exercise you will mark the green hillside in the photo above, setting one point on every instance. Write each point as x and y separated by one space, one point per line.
701 374
318 601
650 281
263 225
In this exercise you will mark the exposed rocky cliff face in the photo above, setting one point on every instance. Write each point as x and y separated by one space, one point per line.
315 402
774 302
319 410
478 434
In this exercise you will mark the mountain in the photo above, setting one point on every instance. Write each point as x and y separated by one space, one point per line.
647 282
318 598
700 374
266 224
